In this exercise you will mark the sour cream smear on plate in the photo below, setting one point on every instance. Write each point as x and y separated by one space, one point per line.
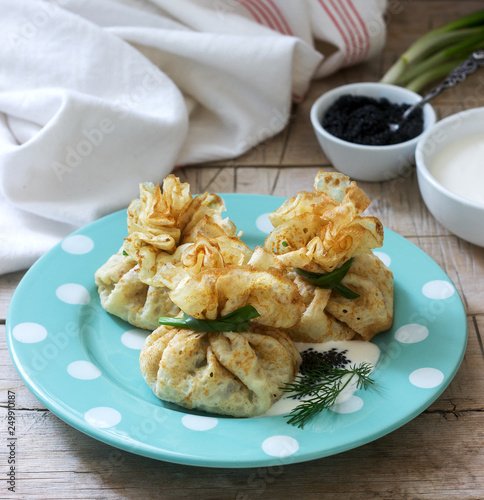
356 352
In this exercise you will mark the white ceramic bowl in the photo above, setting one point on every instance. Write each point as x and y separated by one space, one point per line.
368 163
461 216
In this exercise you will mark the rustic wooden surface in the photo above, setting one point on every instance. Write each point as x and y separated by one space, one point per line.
438 455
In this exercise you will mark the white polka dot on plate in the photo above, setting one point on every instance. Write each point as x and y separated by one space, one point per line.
134 339
264 224
280 446
426 378
384 257
77 244
351 405
411 333
438 289
102 417
83 370
29 333
198 423
72 293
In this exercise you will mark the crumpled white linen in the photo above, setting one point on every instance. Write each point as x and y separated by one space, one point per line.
97 96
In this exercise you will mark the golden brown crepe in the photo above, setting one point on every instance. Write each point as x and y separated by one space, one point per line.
372 311
315 323
172 235
190 259
240 374
171 229
182 257
330 316
218 292
124 295
319 231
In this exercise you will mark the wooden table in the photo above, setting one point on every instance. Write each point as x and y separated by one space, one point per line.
438 455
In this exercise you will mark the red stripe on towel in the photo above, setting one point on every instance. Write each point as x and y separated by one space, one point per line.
338 27
251 11
277 13
364 29
268 21
346 24
355 30
265 15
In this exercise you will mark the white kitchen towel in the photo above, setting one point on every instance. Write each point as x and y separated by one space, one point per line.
97 96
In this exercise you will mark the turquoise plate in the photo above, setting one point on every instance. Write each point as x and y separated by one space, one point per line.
82 363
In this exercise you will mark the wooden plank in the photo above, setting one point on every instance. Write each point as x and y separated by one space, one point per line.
302 147
407 20
463 263
8 283
266 145
259 180
399 206
291 180
10 380
421 455
466 391
397 203
208 179
437 456
269 144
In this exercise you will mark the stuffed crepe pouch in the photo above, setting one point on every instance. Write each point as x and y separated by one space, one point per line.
330 316
319 232
122 294
232 373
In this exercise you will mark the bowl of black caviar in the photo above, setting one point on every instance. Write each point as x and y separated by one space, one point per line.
353 125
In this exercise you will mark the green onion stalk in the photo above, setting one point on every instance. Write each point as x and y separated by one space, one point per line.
331 280
437 53
236 321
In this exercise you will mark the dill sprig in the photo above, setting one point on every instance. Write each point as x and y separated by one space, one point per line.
320 387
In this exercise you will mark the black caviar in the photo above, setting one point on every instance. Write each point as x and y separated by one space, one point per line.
365 120
333 358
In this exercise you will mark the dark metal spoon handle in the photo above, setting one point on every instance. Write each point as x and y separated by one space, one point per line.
457 75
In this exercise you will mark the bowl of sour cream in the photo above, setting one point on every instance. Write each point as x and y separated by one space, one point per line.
450 170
